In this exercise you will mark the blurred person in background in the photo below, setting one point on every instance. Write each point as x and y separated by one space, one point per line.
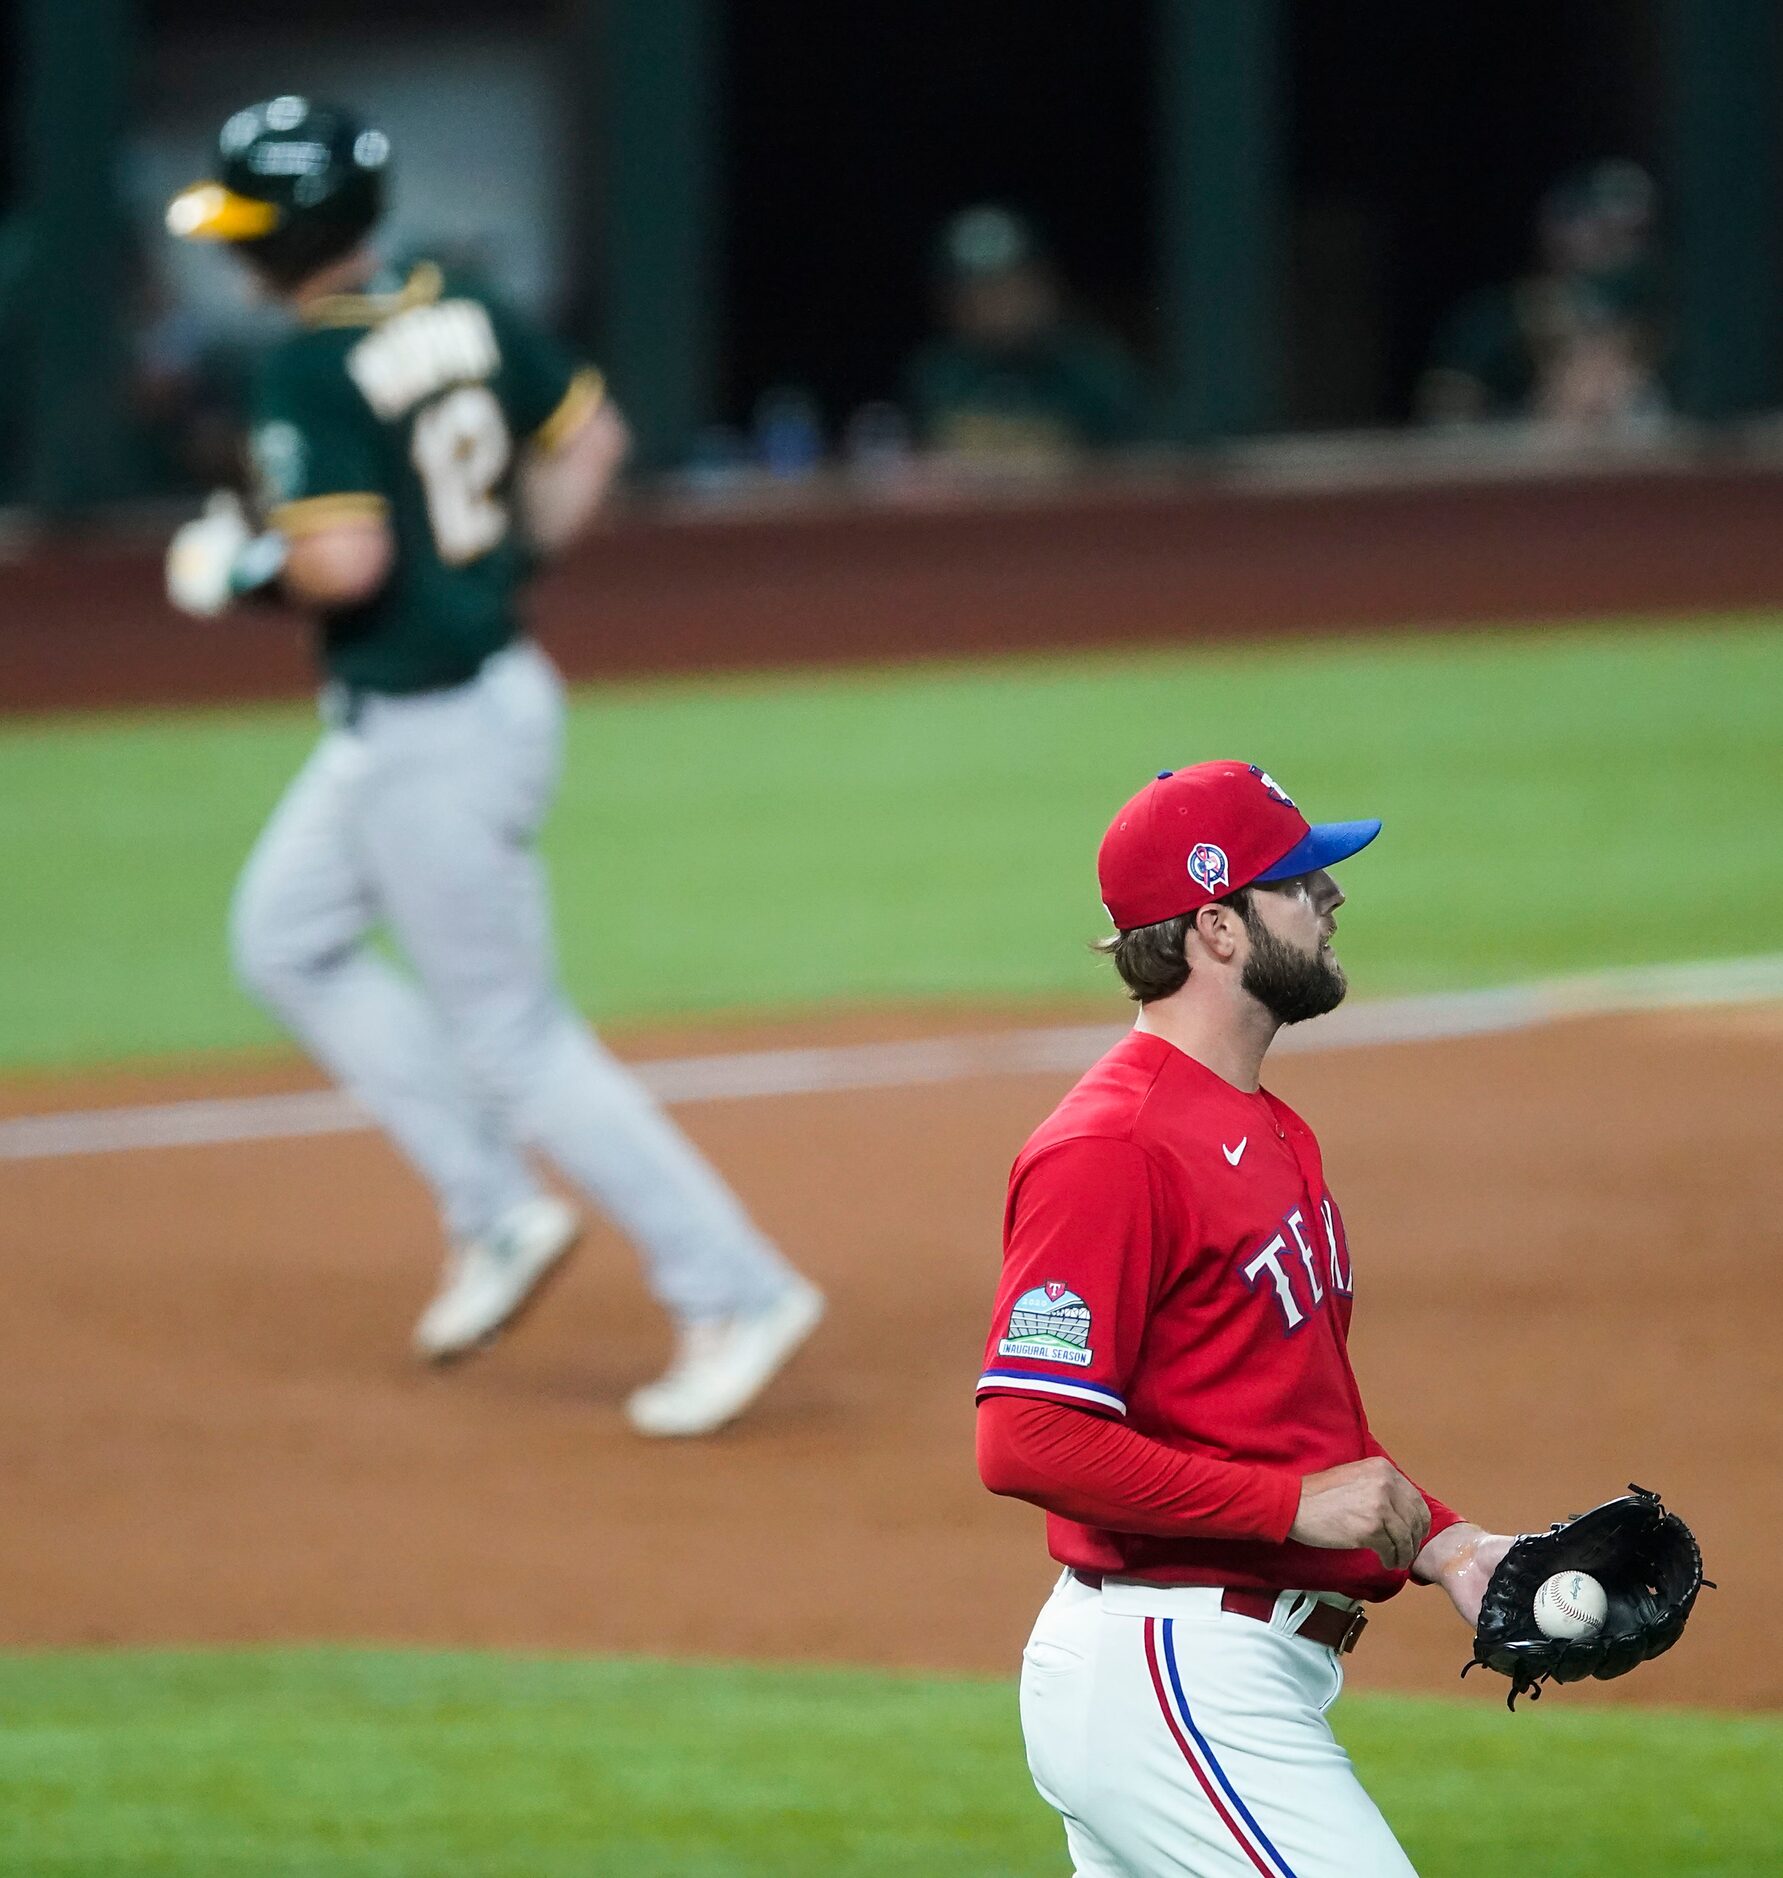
186 387
417 447
1013 381
1578 343
15 274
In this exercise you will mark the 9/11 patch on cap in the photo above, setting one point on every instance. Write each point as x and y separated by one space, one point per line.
1208 868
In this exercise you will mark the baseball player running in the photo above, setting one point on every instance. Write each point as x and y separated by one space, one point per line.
417 447
1168 1376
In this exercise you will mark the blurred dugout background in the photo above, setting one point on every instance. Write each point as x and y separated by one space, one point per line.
1280 215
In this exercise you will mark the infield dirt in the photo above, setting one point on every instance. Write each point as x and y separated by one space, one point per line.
1565 1247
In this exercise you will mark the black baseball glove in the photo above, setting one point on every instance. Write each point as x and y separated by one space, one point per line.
1649 1565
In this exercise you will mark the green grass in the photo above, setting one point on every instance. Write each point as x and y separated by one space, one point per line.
351 1764
1552 801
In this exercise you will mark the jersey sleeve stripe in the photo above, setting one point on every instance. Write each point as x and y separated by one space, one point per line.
1068 1387
313 513
587 393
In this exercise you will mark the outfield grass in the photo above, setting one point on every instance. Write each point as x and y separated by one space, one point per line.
357 1763
1552 802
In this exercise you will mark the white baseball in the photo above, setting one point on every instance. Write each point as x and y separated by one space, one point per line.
1570 1607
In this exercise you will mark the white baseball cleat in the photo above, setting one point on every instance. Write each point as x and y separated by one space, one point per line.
488 1280
720 1367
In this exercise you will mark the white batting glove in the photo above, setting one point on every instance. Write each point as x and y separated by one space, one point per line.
213 561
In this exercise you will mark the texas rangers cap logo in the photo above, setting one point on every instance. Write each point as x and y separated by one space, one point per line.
1207 867
1275 789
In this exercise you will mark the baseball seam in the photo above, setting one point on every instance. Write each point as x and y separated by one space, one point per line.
1573 1613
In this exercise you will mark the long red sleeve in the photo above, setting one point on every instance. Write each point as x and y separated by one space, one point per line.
1087 1467
1441 1517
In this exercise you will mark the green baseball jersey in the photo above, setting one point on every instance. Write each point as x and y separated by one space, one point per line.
411 403
1071 389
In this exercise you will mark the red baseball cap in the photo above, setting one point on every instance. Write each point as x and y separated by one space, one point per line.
1192 836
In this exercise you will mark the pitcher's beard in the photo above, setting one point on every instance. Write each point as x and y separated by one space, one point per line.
1291 986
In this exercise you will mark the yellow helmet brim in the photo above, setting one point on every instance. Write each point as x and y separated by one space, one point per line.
209 212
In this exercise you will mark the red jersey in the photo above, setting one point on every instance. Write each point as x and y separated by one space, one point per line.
1173 1256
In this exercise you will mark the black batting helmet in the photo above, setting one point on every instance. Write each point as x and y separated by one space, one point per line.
298 185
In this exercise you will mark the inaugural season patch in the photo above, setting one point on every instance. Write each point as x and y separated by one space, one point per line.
1050 1324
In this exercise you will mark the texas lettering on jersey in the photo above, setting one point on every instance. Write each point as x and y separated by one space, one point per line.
1172 1255
1295 1298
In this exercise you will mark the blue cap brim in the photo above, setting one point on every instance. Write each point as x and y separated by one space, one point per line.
1324 845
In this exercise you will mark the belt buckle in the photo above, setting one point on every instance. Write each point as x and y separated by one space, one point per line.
1352 1630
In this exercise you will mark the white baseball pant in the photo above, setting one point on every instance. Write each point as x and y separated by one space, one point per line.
421 814
1178 1740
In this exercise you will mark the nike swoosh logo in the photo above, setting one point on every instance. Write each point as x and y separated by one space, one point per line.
1235 1155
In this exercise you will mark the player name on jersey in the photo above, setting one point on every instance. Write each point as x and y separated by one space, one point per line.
420 352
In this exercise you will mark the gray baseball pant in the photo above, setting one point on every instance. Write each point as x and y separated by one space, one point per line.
422 815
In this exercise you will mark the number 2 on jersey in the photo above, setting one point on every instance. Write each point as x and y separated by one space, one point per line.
461 450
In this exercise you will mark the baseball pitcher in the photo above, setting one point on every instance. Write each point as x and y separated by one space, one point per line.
1168 1376
417 447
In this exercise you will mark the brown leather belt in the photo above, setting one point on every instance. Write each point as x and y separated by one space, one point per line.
1329 1624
